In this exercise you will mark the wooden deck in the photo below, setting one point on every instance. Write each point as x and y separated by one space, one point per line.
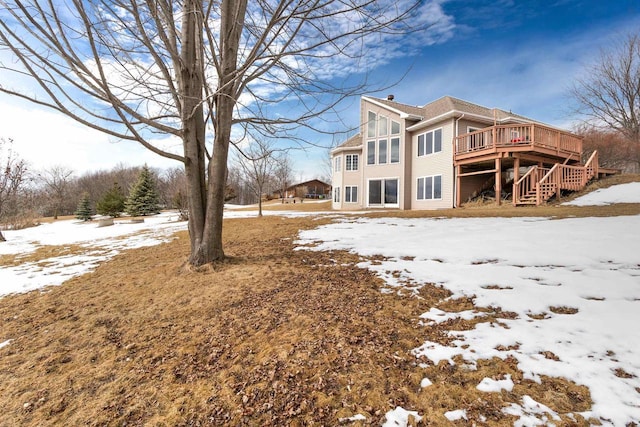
550 160
533 138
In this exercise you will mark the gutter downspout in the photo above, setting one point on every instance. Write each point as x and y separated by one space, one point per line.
455 179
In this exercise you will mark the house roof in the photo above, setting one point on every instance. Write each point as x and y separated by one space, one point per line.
411 110
353 142
313 181
448 105
440 109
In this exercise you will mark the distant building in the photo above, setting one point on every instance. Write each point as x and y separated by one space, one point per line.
314 189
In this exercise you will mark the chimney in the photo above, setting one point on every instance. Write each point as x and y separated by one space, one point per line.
390 97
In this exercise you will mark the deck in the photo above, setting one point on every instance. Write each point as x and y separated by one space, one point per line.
548 158
536 139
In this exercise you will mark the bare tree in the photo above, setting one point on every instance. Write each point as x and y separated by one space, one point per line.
167 68
282 173
57 182
257 165
610 92
12 177
614 149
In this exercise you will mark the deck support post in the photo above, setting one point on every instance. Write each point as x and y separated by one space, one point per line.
498 181
516 177
458 188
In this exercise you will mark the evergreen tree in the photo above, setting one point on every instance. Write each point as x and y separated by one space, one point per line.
143 197
112 203
83 211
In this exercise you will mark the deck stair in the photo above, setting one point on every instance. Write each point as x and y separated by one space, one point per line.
539 184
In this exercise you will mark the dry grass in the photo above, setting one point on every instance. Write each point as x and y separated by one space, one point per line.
272 336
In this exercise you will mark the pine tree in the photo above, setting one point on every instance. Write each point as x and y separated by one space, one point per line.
83 211
143 197
112 203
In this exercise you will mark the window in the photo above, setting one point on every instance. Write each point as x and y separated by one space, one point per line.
383 192
371 124
383 124
351 194
395 128
429 188
395 150
371 152
430 142
338 164
351 162
382 151
336 195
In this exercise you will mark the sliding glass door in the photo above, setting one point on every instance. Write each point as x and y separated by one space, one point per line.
383 193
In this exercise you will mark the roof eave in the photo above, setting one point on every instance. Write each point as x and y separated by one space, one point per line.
341 149
458 113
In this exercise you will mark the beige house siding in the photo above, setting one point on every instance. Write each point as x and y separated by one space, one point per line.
336 180
352 178
434 165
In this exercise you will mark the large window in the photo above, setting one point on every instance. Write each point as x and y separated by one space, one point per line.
430 142
336 194
381 149
429 188
383 192
351 194
371 152
371 124
395 151
351 161
337 164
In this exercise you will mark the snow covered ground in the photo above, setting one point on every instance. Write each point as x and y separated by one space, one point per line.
524 265
531 266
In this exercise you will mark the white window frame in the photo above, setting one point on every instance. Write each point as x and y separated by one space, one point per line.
337 166
383 160
391 140
351 162
372 124
351 194
383 203
336 195
371 154
432 196
433 142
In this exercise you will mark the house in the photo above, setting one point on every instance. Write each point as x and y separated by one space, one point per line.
441 154
313 189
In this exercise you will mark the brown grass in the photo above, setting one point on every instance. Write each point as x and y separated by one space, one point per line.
271 336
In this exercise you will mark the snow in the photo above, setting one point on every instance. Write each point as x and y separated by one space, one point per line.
531 413
490 385
579 278
399 417
623 193
92 245
458 414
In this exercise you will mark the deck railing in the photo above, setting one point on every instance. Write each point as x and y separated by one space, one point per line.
533 135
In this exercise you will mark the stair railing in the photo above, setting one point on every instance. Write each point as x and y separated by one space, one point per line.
525 185
592 166
549 184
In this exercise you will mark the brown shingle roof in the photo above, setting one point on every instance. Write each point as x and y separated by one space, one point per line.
405 108
447 104
354 141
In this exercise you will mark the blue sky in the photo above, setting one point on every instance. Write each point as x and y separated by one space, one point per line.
515 55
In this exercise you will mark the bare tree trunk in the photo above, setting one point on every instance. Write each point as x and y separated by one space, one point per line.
206 242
